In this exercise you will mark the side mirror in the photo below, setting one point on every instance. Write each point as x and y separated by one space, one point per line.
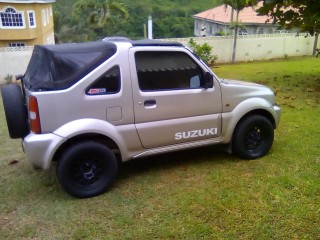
19 77
208 80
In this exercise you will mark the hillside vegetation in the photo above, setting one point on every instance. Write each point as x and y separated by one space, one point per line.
171 18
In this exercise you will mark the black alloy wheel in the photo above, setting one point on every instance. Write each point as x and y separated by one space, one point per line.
87 169
253 137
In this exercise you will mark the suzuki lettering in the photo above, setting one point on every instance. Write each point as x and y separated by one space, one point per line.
196 133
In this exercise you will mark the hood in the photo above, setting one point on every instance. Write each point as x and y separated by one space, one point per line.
235 92
239 83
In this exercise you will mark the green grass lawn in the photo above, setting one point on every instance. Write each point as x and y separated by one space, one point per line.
198 194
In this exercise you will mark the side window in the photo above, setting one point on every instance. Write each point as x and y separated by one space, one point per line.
108 83
163 71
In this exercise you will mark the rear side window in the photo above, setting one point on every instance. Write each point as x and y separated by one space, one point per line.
108 83
163 71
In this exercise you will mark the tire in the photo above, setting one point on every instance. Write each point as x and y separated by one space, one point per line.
87 169
15 111
253 137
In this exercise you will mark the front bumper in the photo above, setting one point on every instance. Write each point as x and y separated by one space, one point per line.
40 148
276 115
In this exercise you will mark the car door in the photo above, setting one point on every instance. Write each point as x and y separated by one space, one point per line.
171 106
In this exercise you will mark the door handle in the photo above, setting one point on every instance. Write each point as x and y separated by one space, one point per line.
151 103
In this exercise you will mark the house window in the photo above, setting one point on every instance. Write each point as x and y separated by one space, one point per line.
43 17
212 29
32 19
47 15
10 18
50 39
17 44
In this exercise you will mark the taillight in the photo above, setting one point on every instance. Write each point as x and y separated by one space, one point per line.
34 116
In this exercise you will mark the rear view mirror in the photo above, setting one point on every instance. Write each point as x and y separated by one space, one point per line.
208 80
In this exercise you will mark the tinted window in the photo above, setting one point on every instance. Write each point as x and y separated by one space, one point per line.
108 83
167 71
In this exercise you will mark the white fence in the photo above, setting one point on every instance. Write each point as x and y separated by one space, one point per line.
14 61
257 47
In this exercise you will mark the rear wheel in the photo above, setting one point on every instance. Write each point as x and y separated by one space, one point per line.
87 169
253 137
15 111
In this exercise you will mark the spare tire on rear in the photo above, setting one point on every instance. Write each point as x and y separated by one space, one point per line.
15 111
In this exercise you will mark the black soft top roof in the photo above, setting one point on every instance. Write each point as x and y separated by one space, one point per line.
56 67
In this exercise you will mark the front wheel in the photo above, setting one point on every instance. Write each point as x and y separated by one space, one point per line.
87 169
253 137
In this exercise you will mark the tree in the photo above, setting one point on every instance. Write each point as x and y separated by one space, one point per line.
171 18
302 14
237 5
101 12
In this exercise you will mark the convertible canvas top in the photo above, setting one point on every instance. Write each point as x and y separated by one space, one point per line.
56 67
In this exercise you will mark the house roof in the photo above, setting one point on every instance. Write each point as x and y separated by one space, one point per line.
223 14
27 1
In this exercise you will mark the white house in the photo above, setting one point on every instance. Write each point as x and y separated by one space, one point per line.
216 21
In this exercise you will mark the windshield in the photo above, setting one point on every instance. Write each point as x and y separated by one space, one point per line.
206 66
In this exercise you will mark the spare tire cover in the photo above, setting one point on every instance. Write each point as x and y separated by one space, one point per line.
15 111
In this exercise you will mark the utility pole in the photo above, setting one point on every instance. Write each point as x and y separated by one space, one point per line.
150 27
144 31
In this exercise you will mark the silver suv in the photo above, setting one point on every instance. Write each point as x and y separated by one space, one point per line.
88 106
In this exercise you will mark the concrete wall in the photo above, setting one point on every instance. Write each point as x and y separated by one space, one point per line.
257 47
14 61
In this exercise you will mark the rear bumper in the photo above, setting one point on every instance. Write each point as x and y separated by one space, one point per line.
40 148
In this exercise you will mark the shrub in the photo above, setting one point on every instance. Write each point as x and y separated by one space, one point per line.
8 79
203 51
